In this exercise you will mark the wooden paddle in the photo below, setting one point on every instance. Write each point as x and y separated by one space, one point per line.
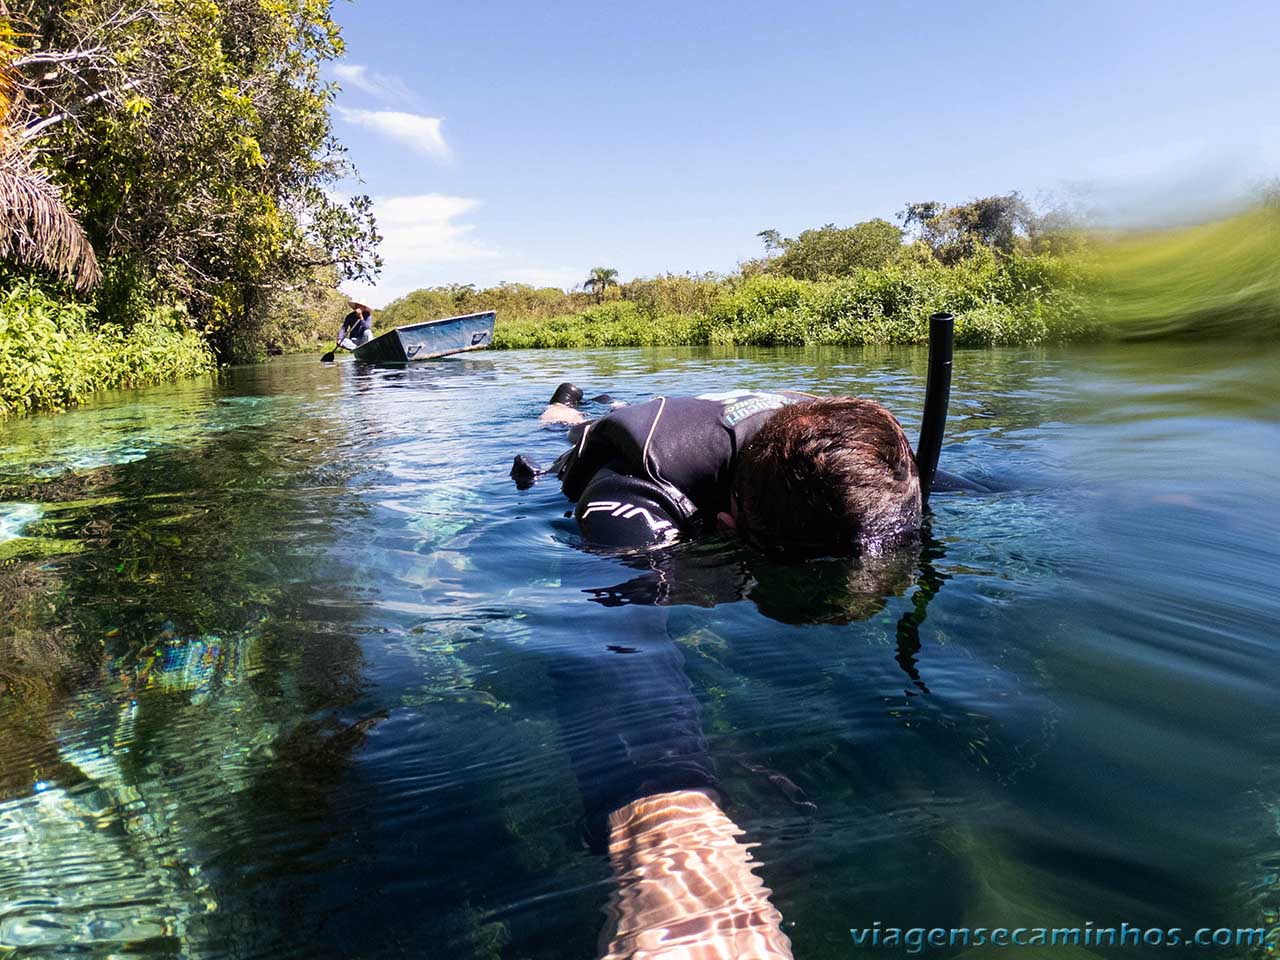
328 357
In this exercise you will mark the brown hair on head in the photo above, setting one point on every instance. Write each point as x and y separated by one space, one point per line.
830 476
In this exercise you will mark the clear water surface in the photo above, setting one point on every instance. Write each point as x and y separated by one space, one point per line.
274 661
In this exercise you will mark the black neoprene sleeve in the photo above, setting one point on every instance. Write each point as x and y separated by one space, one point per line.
629 720
619 510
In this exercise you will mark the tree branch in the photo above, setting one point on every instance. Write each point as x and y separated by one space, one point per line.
36 128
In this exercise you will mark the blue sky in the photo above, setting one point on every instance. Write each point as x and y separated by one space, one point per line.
531 142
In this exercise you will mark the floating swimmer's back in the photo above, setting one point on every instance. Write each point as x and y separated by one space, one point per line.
685 446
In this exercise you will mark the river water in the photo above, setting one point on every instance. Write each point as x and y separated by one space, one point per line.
276 652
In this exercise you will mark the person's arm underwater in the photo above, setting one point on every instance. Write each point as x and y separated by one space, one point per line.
686 886
630 723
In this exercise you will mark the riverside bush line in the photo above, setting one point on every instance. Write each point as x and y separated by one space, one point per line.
998 301
52 355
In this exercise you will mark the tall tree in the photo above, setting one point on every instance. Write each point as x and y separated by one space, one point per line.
773 242
954 233
194 138
601 279
831 251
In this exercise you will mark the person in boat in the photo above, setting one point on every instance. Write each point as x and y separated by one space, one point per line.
357 327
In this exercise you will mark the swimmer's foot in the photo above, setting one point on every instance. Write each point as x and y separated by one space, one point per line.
524 471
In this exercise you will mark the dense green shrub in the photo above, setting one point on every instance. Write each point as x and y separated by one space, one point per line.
517 302
832 251
508 299
997 300
676 293
610 324
52 355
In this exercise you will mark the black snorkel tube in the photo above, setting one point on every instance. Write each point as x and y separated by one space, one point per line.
937 394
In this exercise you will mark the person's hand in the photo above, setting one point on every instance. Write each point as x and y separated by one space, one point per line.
686 890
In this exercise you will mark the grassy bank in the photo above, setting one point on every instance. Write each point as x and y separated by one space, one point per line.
53 354
998 301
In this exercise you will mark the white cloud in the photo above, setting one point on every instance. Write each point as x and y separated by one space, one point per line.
424 226
423 244
380 85
418 133
427 242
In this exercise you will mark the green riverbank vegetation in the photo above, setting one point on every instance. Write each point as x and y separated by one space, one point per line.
1011 275
1003 269
54 352
166 170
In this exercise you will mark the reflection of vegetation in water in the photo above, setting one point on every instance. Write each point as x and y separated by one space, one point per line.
154 693
1004 891
437 648
193 664
1179 381
440 514
181 416
32 548
108 819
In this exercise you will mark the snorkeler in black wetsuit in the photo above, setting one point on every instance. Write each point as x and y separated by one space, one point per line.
644 476
644 473
784 470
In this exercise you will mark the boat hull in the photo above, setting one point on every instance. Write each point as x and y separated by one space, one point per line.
430 340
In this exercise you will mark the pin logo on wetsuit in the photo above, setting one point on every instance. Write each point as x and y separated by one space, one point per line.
625 511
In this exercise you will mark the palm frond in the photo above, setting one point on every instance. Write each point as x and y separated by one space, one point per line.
601 278
37 229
